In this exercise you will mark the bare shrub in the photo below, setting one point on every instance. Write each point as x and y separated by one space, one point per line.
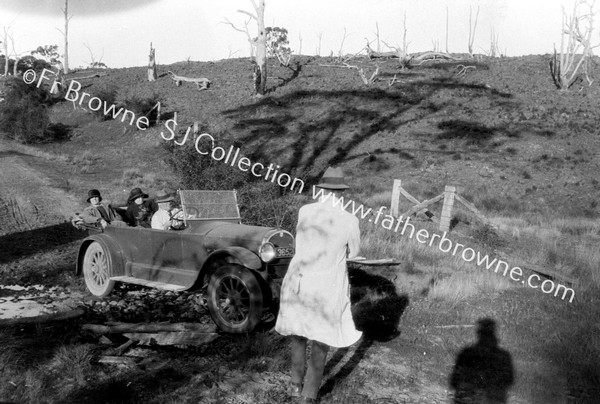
576 49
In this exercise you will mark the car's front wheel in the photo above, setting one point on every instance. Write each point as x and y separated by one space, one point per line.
235 299
97 271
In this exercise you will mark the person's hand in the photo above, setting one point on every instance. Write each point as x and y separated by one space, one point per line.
103 223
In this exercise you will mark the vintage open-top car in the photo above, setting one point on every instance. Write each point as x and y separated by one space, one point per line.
242 266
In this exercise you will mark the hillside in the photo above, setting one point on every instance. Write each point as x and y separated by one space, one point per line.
501 132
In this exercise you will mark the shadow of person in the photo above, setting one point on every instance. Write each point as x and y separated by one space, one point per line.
376 310
376 306
483 372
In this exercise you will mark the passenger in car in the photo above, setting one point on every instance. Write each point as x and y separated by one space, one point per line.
166 217
139 208
100 213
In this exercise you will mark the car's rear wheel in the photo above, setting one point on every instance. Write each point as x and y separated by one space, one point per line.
235 299
97 271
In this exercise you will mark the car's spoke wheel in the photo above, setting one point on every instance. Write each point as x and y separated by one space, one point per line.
97 270
235 299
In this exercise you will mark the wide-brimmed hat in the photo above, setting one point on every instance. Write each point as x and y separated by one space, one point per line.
333 179
164 196
93 193
136 193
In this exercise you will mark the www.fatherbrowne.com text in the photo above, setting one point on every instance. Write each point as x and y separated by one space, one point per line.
444 244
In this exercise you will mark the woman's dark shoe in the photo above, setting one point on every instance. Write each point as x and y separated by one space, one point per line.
294 390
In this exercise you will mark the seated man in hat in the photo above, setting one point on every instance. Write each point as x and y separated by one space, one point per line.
139 208
166 217
100 213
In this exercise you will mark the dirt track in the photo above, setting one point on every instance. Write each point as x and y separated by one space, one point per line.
30 193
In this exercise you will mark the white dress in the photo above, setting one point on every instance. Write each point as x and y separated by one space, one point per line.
315 293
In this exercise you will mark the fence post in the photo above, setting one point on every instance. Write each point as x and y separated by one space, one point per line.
447 208
395 206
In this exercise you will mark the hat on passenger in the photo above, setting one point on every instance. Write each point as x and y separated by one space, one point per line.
164 196
136 193
333 179
93 193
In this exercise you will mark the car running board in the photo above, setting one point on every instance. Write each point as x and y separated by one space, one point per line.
151 284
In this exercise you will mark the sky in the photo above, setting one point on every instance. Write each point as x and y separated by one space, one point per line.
119 32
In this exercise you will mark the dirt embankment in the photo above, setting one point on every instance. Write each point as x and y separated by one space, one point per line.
30 192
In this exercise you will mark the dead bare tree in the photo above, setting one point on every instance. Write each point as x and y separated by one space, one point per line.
447 15
15 54
246 31
341 51
152 64
65 34
576 49
5 38
257 44
494 49
377 36
93 61
320 37
472 28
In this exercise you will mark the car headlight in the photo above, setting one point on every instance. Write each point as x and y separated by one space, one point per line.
267 252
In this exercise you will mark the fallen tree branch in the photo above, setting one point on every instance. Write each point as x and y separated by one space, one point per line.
89 77
360 71
201 82
430 56
113 328
461 70
173 338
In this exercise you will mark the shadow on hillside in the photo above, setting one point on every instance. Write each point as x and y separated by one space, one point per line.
473 132
25 243
340 122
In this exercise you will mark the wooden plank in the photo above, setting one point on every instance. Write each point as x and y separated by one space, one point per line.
472 208
149 327
172 338
380 261
414 200
119 360
449 193
65 315
422 205
549 273
118 351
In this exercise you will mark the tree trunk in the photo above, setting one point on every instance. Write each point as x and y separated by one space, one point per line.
261 50
15 65
5 42
66 58
152 64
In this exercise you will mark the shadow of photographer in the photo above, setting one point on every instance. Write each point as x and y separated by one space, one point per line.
483 371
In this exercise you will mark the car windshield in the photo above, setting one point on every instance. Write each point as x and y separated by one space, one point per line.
209 205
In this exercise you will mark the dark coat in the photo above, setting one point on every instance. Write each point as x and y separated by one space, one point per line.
140 215
92 215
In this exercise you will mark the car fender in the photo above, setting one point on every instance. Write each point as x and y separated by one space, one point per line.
115 254
232 255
